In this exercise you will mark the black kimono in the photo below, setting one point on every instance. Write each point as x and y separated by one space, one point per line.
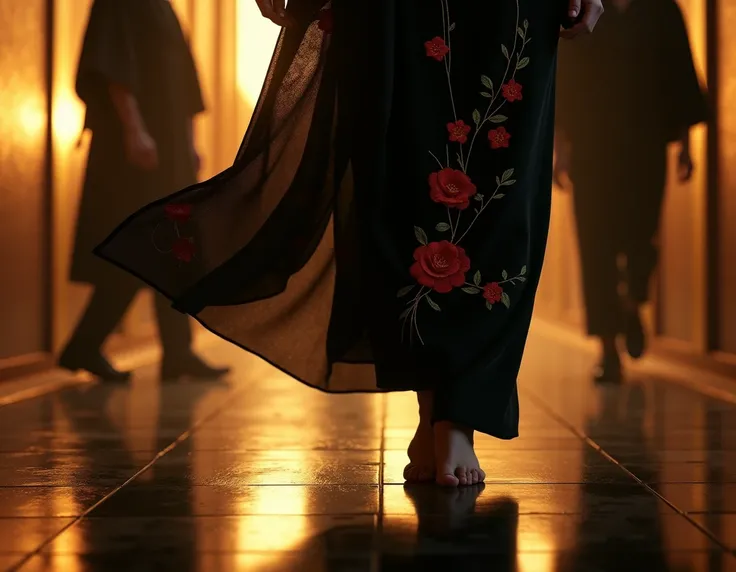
384 223
625 92
140 45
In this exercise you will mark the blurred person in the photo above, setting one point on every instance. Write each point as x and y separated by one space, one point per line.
138 81
384 224
624 94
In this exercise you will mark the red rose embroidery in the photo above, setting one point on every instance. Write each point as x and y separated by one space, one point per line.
178 212
499 138
451 188
492 292
440 266
183 249
436 48
512 91
326 20
458 131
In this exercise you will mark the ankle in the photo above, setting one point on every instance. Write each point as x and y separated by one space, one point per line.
448 427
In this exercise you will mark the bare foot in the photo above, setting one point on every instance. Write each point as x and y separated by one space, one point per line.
456 462
421 467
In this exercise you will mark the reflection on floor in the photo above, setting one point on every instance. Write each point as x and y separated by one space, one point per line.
263 474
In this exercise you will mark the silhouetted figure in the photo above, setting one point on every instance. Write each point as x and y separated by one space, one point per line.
138 80
624 93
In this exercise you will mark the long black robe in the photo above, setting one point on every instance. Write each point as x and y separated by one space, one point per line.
140 45
340 245
625 92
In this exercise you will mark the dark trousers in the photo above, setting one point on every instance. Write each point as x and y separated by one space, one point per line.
617 223
110 301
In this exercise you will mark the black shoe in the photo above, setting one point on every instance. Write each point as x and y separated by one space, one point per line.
94 363
608 370
636 339
191 367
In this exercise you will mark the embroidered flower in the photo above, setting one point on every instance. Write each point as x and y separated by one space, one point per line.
436 48
512 91
493 292
326 20
451 188
458 131
499 138
183 249
440 266
178 212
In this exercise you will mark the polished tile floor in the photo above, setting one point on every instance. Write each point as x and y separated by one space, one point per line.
263 474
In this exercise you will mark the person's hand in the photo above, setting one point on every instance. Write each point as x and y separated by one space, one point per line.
585 14
685 165
274 10
140 149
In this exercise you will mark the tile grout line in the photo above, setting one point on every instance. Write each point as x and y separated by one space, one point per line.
591 443
166 450
381 477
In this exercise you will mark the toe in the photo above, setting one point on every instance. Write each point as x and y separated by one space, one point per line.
446 477
481 475
410 473
474 476
462 474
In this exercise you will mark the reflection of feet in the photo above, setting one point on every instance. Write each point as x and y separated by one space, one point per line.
636 340
455 460
94 363
449 508
421 449
191 367
608 369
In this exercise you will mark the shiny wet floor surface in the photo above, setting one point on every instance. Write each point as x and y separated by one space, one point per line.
263 474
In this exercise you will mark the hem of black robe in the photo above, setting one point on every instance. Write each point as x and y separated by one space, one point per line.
495 432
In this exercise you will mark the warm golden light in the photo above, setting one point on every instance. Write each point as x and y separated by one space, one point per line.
31 118
256 38
536 550
68 119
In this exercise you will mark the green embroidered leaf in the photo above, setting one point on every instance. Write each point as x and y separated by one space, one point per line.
404 291
489 305
470 290
452 27
432 304
498 182
526 24
477 278
505 300
504 275
507 174
499 196
523 62
478 197
522 279
486 81
520 32
406 312
497 119
508 183
505 51
442 227
523 271
421 235
486 94
476 117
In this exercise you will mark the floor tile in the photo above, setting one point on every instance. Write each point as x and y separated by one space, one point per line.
345 535
150 501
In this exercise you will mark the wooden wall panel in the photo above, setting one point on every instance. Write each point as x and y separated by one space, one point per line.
24 203
681 310
727 174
